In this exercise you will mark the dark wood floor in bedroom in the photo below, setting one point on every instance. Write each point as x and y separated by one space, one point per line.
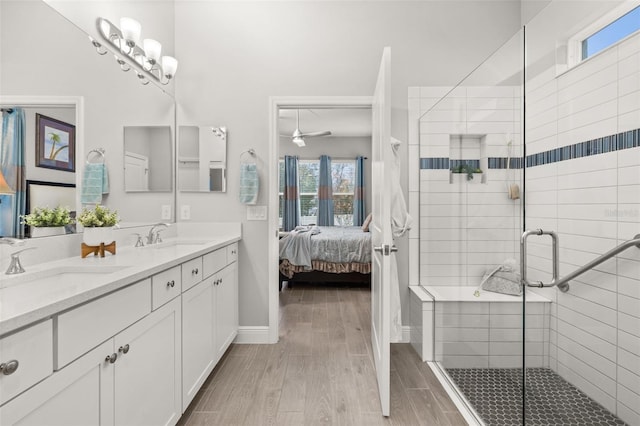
321 372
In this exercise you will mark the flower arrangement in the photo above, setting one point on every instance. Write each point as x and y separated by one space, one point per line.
98 217
47 217
465 168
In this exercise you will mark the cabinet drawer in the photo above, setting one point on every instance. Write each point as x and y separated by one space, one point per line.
31 350
85 327
214 261
232 253
165 286
191 273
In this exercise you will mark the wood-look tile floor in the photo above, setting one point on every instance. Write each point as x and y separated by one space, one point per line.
320 372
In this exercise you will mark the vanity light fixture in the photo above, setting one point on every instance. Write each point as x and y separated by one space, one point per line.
149 63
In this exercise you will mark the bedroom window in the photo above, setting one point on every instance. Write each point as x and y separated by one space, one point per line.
343 174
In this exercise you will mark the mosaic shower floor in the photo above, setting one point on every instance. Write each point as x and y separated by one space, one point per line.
496 395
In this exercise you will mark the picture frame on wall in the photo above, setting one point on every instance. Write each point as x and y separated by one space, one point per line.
55 144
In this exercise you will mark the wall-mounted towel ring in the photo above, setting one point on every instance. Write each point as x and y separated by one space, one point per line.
100 152
252 156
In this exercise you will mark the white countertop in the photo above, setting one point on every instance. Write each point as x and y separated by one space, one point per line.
29 297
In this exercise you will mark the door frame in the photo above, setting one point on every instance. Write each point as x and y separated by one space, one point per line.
275 104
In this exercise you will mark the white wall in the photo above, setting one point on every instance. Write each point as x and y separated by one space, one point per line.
234 55
594 204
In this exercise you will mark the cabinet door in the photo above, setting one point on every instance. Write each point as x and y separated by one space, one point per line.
147 372
79 394
198 332
226 303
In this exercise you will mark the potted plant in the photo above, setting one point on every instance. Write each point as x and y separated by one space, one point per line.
471 174
45 221
98 224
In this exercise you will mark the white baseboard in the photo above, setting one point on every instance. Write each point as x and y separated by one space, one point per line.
406 335
252 335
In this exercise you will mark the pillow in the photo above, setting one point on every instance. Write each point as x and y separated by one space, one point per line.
367 222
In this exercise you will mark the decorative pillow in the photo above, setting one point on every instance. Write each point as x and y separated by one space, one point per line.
503 279
367 222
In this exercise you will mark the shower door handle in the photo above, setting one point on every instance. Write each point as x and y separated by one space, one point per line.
554 256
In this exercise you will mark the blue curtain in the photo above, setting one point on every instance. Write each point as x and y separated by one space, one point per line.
325 193
359 213
12 166
291 207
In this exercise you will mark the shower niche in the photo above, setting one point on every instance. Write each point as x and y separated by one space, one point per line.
468 162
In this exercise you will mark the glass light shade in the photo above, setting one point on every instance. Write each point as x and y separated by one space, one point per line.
298 141
169 66
4 186
152 49
131 29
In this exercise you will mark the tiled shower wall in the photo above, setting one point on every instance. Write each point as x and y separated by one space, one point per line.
589 192
466 227
593 202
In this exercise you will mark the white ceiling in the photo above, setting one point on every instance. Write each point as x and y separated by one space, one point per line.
342 122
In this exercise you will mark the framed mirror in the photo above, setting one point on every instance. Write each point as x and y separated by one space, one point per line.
202 159
148 159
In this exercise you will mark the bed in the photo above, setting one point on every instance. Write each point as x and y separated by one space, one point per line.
326 254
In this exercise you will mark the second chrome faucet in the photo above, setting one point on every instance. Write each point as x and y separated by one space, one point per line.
154 233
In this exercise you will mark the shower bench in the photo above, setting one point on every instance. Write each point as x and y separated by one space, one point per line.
450 325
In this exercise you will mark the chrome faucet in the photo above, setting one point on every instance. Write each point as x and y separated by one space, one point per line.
11 241
15 267
154 236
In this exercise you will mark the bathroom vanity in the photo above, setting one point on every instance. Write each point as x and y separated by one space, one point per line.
128 339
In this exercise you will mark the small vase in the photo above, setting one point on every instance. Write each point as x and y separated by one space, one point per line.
93 236
46 231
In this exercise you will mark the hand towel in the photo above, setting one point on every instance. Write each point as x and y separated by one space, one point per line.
95 182
249 183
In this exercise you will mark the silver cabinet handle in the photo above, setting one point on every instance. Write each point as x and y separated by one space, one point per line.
386 249
379 249
10 367
111 358
171 283
233 252
194 271
124 349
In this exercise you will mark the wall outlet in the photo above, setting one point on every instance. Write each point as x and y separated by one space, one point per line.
165 212
185 212
257 213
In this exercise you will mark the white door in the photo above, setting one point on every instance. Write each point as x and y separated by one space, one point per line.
136 172
380 228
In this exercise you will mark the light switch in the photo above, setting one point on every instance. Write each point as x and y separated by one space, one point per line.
165 213
185 212
257 213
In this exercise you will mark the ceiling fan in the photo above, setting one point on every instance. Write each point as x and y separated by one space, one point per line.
298 137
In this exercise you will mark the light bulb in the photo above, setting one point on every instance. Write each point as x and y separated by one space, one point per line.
131 30
169 66
152 49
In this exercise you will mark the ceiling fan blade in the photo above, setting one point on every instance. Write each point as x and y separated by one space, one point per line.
313 134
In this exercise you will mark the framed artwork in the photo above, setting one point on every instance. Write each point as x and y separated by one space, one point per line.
55 144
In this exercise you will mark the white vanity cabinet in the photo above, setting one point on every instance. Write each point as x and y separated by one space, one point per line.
209 320
135 356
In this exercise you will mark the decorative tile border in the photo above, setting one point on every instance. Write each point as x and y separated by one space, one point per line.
475 164
617 142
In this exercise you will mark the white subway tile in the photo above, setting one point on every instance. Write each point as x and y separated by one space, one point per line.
587 77
587 371
492 246
586 165
593 228
462 348
433 271
630 175
515 321
491 127
462 321
629 83
578 333
629 194
597 129
585 355
451 222
440 91
599 195
586 211
443 281
587 323
585 117
629 286
446 116
490 103
628 415
452 334
629 342
628 121
592 390
628 398
629 361
444 234
453 361
629 46
443 258
629 102
594 310
508 361
630 323
588 100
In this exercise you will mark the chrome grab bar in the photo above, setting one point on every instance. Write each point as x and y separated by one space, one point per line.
523 258
563 283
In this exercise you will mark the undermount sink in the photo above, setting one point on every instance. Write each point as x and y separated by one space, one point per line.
177 243
63 274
